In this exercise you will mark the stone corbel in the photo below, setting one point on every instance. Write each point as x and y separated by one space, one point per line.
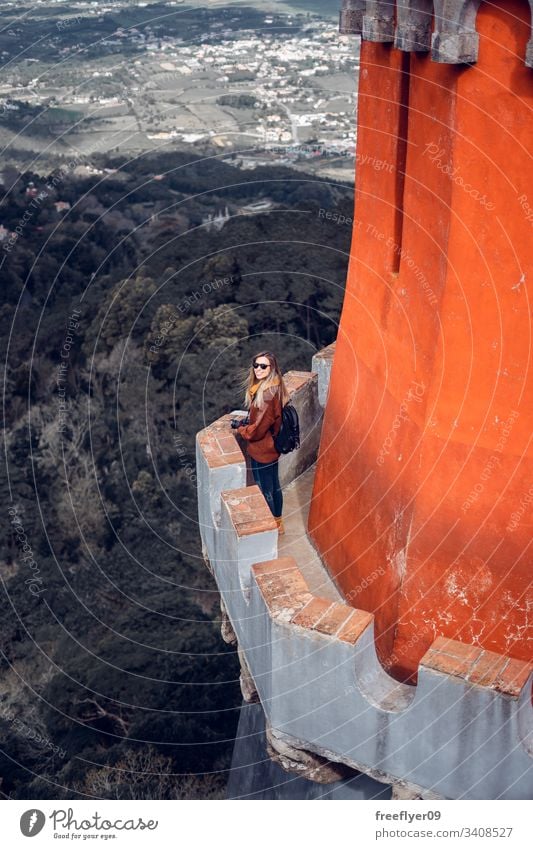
455 40
529 49
413 25
378 22
351 17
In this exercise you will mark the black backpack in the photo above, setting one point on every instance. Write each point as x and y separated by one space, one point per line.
288 438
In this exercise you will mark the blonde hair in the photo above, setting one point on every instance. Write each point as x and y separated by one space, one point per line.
249 380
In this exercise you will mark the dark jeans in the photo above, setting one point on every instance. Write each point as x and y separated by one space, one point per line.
267 479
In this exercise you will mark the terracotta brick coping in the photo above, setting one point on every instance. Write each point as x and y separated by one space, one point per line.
248 510
478 666
295 380
219 444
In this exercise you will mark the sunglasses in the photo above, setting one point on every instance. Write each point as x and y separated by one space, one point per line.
261 365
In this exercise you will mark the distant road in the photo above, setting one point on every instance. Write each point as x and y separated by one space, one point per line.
326 8
294 128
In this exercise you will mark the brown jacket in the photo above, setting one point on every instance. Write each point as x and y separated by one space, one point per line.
258 433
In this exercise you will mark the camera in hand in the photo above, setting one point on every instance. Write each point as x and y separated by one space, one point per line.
235 423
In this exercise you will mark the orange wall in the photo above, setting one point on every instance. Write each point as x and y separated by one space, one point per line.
433 353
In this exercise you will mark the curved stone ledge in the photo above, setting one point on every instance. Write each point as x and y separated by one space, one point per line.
296 759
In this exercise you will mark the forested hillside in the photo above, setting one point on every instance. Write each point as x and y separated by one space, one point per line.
127 318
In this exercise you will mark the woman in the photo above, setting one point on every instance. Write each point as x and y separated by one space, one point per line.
265 396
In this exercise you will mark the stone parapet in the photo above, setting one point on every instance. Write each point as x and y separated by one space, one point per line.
220 465
303 387
246 528
464 731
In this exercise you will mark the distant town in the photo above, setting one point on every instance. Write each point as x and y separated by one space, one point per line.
94 77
